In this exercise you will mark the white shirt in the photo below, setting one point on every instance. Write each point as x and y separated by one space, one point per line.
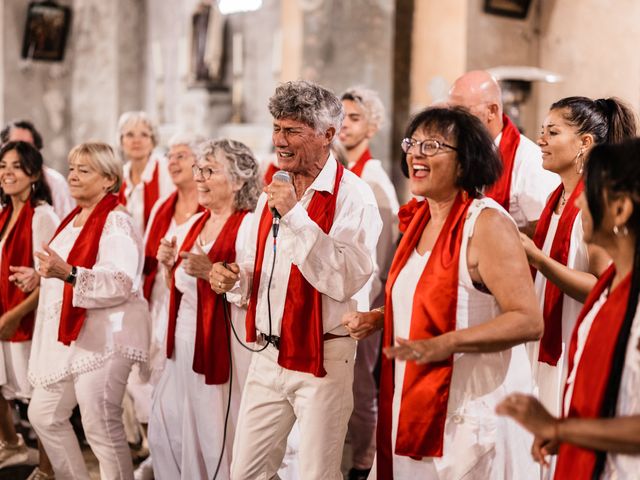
337 264
135 193
117 319
530 183
385 194
63 203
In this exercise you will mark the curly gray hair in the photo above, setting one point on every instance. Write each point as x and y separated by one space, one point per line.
370 102
309 103
242 167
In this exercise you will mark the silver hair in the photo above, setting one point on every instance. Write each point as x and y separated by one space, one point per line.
242 167
191 140
309 103
370 102
134 117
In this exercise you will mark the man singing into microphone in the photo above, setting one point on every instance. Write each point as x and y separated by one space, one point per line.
299 290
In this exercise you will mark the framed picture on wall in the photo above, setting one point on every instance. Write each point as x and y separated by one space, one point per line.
46 31
507 8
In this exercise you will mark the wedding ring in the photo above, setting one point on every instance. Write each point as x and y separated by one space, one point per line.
417 355
219 284
271 196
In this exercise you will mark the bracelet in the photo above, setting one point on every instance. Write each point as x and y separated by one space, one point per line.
72 275
379 310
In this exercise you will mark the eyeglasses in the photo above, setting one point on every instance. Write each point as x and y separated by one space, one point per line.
204 172
428 147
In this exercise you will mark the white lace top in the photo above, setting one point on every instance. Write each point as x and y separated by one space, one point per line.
117 320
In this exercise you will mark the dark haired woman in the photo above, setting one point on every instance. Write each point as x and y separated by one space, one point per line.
459 302
599 436
567 268
27 220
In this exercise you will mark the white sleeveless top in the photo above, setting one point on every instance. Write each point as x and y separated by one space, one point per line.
475 439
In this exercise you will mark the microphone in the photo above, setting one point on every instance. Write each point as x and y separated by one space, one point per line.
279 176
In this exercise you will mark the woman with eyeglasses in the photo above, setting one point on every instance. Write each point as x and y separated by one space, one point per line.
146 178
598 435
459 302
197 397
566 267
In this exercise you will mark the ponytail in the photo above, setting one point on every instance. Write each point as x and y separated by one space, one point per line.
620 119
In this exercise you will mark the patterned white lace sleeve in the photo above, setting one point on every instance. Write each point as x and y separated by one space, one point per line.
115 277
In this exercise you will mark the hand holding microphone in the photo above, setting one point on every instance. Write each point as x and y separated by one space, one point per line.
281 197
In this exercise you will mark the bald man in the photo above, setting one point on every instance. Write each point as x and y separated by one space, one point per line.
524 186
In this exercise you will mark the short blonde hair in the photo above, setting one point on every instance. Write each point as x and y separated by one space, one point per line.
101 157
133 117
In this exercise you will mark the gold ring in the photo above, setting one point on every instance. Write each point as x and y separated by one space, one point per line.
219 284
417 355
271 196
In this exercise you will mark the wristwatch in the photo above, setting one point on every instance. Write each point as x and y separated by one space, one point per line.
72 275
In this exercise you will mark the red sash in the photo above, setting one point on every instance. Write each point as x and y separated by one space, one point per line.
150 193
501 190
301 336
359 165
407 212
17 251
551 342
593 370
425 392
271 171
157 230
211 355
83 254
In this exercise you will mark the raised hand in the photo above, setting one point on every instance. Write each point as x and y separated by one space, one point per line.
51 264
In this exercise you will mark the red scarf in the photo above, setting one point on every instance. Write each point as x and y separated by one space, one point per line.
359 165
157 230
301 336
593 370
551 342
211 355
150 193
271 171
425 392
501 190
407 212
83 254
17 251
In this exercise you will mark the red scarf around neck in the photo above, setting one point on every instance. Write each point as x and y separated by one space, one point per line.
211 355
301 336
157 230
358 167
425 392
501 190
150 193
83 254
551 342
594 369
16 251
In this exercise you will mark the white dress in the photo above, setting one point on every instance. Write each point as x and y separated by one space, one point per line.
549 380
187 415
14 359
135 193
477 443
618 466
117 319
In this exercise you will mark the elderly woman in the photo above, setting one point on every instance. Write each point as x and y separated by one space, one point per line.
27 220
197 398
599 436
92 322
146 178
567 267
459 301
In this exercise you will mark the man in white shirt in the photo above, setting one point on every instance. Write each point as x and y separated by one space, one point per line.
530 185
25 131
324 254
364 113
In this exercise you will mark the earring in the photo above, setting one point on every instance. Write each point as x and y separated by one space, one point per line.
579 163
33 187
624 231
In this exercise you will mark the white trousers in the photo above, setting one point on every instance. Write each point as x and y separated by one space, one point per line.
275 397
362 424
99 394
186 427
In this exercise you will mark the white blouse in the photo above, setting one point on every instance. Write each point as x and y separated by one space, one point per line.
117 319
135 193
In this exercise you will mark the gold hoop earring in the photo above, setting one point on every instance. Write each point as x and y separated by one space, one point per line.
624 231
579 163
